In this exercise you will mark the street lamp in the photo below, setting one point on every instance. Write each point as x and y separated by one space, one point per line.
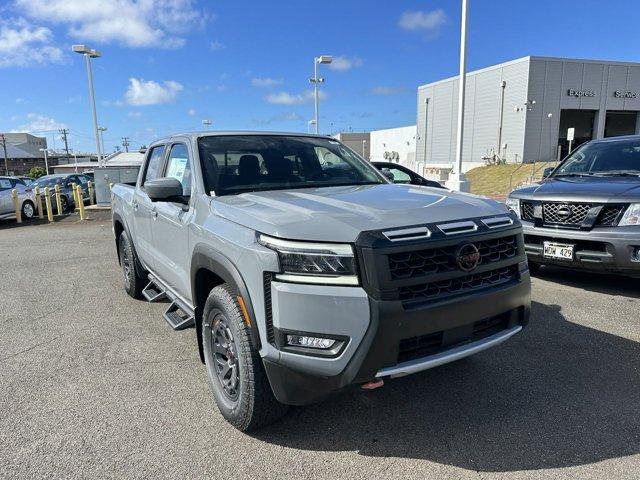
102 130
90 53
460 182
322 59
206 123
46 162
309 123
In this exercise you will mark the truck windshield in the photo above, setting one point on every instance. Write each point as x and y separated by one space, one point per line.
620 157
245 163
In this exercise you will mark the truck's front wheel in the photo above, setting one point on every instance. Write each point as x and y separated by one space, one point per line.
236 373
133 278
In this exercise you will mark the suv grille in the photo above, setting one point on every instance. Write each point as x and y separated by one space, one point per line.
441 260
527 211
444 289
609 215
552 213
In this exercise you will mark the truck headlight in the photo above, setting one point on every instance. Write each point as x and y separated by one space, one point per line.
513 204
308 262
631 216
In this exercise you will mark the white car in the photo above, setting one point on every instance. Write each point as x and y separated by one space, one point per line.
25 196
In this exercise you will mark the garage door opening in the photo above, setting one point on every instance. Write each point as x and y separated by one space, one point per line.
620 123
583 121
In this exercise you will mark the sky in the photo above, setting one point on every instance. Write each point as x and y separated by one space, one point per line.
245 64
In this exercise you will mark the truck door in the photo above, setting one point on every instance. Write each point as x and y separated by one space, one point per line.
171 226
144 210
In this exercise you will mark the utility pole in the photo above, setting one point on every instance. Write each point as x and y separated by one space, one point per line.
64 132
4 147
125 143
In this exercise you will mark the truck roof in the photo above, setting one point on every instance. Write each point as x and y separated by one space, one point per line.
208 133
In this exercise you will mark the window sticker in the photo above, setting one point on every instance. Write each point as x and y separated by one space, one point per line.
176 169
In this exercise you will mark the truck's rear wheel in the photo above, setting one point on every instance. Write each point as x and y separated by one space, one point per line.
133 278
236 373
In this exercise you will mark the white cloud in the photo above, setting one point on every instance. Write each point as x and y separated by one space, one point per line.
26 45
39 123
280 118
134 114
383 90
266 82
428 22
285 98
214 46
141 92
191 112
133 23
343 63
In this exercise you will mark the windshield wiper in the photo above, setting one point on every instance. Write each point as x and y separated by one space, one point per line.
584 174
618 174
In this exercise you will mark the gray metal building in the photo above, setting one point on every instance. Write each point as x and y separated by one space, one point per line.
521 110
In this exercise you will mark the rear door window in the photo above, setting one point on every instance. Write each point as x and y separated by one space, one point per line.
154 166
5 184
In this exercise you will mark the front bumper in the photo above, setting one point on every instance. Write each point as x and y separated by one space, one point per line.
378 352
604 249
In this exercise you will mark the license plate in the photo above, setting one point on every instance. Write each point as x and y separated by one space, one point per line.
558 250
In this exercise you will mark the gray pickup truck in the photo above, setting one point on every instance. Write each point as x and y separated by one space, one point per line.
585 214
305 271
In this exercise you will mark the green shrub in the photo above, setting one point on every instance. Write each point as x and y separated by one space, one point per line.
36 172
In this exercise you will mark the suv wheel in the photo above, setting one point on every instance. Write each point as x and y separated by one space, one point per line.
64 203
28 210
236 373
132 275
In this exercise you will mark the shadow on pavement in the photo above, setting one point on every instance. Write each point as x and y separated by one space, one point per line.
593 282
557 395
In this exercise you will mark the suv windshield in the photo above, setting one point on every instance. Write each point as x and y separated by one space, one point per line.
244 163
603 158
47 181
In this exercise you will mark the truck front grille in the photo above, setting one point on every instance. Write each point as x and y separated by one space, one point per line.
573 215
431 261
446 289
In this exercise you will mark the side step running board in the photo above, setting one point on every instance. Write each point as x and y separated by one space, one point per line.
153 293
178 318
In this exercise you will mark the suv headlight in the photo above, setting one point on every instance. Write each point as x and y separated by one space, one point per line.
513 204
631 216
308 262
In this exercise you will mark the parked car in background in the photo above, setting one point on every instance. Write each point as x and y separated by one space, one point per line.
26 180
304 271
25 196
400 174
65 180
586 212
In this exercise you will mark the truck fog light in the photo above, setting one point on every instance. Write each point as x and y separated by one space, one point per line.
310 342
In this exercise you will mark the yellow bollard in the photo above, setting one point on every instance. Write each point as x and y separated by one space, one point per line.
75 195
38 202
90 187
47 200
56 189
16 205
83 215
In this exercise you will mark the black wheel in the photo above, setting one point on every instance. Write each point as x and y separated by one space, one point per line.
28 210
132 275
64 203
236 373
534 268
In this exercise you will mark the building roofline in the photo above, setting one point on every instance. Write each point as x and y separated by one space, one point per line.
529 58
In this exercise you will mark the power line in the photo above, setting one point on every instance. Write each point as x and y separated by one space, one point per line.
64 132
125 143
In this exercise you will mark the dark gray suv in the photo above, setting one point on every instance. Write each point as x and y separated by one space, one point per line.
586 212
64 181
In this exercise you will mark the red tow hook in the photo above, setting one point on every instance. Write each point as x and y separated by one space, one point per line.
372 385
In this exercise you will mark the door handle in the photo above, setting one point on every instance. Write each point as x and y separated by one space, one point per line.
135 206
154 213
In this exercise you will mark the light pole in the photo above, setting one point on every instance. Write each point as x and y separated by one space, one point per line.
324 59
46 162
460 182
90 53
206 123
364 149
102 130
309 123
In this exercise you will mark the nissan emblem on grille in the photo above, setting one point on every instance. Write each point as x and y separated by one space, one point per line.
564 211
467 257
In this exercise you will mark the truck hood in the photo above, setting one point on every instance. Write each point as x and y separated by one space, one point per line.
339 214
583 189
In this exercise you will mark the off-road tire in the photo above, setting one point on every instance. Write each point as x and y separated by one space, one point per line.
133 276
253 405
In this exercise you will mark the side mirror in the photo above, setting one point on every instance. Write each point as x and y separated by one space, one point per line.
547 171
166 189
387 173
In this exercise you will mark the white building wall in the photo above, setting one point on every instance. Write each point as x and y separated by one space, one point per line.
401 140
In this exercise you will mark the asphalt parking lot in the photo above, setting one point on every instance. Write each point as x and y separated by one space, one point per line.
95 384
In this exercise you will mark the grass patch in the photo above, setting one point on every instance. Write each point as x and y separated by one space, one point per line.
493 181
